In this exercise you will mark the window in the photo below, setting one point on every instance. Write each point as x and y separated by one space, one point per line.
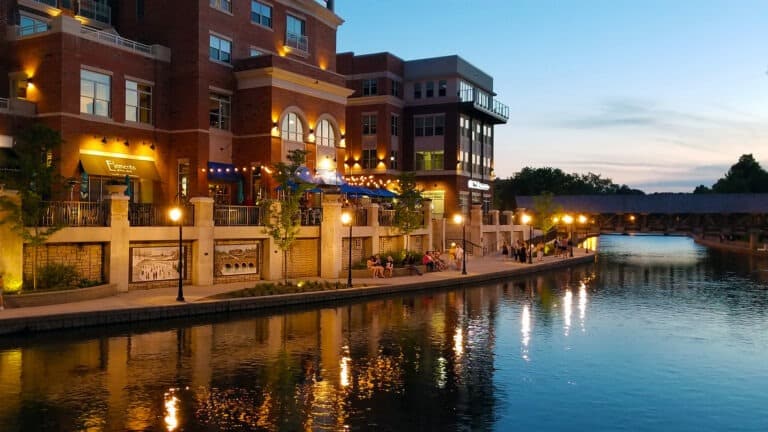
432 125
219 110
138 102
369 159
369 124
29 25
429 161
225 5
255 52
393 159
261 14
370 87
417 90
295 33
442 88
325 136
439 125
292 129
430 87
394 125
95 93
395 89
220 49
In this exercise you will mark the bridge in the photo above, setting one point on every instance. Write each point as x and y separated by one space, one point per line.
737 216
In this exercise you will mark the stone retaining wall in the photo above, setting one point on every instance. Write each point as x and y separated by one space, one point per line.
58 297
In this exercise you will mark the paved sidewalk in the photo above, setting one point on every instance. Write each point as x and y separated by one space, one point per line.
478 269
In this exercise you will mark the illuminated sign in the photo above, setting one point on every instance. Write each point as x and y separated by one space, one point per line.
117 167
474 184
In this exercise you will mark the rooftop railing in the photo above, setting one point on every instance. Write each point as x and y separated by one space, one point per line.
484 101
114 39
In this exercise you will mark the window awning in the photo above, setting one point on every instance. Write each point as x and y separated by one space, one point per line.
222 172
117 166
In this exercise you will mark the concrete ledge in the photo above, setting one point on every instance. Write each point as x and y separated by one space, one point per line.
58 297
185 310
366 273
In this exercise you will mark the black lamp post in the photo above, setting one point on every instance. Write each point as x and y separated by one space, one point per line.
527 221
568 219
346 219
459 219
175 215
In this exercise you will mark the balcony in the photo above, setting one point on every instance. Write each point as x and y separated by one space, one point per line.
478 100
158 215
113 39
235 215
19 107
297 42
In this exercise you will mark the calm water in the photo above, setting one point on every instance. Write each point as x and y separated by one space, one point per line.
659 334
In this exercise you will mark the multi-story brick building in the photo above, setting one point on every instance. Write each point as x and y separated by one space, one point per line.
434 117
192 97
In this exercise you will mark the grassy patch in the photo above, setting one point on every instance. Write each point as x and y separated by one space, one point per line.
269 288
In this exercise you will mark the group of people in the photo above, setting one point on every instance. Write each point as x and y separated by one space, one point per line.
431 260
381 268
521 250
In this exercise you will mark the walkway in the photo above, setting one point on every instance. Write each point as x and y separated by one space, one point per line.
160 303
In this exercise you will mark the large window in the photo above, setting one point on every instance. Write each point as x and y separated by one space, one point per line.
394 125
220 49
138 102
95 93
370 160
261 14
225 5
325 135
429 161
417 90
292 129
295 33
29 25
369 124
395 90
219 110
442 88
393 159
370 87
430 89
432 125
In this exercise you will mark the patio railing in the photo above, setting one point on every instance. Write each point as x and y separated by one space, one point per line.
157 215
74 213
234 215
312 216
386 217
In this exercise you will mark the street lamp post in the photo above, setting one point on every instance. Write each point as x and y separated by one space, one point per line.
175 215
583 221
568 219
459 219
346 219
527 221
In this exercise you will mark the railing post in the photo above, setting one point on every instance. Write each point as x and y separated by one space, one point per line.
202 248
118 259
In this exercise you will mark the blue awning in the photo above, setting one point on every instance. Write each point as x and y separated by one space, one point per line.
222 172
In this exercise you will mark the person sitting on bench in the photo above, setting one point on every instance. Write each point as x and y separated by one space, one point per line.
376 270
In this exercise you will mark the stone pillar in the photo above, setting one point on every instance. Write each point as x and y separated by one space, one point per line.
373 222
202 249
11 249
494 217
427 208
332 233
118 259
509 216
475 230
273 256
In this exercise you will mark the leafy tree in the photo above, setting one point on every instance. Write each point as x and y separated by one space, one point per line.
545 208
746 176
35 180
408 214
283 215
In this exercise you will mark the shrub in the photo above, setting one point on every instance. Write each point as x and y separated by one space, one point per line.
58 276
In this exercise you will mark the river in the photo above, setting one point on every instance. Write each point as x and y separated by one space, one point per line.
658 334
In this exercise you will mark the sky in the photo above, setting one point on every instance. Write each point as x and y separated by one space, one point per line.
659 95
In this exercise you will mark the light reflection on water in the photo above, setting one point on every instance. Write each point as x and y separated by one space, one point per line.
659 334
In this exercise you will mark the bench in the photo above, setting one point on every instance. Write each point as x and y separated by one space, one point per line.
366 273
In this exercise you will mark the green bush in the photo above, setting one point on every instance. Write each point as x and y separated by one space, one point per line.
269 288
57 276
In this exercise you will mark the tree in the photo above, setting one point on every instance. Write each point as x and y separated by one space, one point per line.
283 215
545 208
746 176
35 180
408 214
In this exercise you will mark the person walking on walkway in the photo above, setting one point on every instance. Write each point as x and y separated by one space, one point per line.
459 256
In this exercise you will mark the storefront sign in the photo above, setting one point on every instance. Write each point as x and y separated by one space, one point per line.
120 168
474 184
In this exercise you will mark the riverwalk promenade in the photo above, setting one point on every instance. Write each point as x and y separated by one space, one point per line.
160 303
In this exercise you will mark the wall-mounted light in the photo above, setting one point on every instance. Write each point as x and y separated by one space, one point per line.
275 130
126 143
103 140
311 135
342 141
152 146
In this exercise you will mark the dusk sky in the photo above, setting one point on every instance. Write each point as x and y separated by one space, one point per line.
661 95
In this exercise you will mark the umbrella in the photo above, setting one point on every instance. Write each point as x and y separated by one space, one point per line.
240 195
84 186
128 187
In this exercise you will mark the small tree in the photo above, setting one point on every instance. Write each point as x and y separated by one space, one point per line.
283 220
408 214
545 208
36 179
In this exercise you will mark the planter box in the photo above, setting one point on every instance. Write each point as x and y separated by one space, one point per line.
57 297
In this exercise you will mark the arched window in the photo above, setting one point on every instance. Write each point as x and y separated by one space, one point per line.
325 135
292 129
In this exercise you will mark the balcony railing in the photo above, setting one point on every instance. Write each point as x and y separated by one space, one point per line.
114 39
297 41
485 102
157 215
95 9
386 217
74 214
312 216
231 215
37 27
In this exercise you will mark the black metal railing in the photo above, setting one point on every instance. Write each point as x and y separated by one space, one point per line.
311 216
158 215
74 214
386 217
360 217
235 215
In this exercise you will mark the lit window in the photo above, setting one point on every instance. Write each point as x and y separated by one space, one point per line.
325 136
292 128
261 14
429 161
369 159
138 102
219 110
393 159
95 93
220 49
